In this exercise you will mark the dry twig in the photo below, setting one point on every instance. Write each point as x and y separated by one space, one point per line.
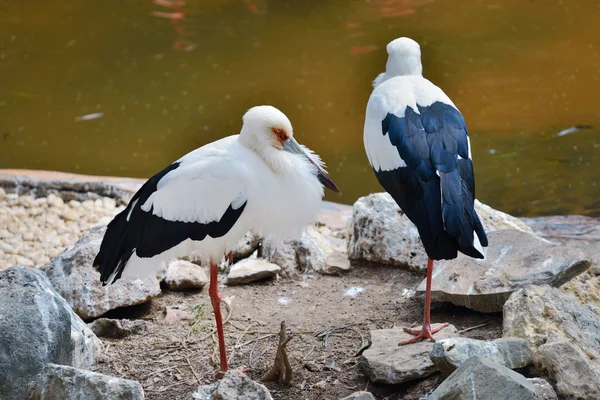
281 369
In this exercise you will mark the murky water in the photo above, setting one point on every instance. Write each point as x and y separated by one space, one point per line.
125 87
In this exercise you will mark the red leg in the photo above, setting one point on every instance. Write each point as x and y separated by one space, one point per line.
425 332
215 298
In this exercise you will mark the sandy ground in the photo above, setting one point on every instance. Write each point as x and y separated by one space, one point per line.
171 359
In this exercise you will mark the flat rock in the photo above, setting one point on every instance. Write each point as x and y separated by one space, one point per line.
63 382
251 270
387 362
564 336
184 275
514 259
381 233
37 327
234 385
482 379
73 276
543 389
360 396
449 354
117 328
313 251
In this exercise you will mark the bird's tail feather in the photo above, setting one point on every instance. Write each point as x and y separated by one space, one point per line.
115 250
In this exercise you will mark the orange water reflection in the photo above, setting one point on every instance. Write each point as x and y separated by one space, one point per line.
125 87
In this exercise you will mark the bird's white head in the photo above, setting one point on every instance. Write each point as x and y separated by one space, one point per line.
404 58
269 132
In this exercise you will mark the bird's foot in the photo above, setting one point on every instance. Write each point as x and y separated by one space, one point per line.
425 332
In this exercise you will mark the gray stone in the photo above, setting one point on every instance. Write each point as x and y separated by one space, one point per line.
360 396
514 259
245 246
184 275
482 379
37 327
117 328
449 354
387 362
251 270
543 390
63 382
586 288
381 233
313 251
564 337
74 277
234 386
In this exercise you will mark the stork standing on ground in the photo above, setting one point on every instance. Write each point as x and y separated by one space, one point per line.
417 143
202 204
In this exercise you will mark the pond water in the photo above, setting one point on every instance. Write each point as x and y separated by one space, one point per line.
120 87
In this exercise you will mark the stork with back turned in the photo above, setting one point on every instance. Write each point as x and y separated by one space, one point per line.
202 204
417 142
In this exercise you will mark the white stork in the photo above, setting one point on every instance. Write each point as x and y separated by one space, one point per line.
417 143
202 204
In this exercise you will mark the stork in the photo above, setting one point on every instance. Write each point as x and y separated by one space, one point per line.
417 143
204 203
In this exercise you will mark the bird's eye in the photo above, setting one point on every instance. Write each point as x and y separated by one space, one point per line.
278 130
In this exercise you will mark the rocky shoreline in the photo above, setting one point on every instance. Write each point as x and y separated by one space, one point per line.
537 273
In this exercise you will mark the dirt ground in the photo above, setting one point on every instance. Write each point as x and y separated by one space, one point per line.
174 356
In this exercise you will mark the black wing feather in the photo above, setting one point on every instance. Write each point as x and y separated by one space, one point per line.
149 235
436 188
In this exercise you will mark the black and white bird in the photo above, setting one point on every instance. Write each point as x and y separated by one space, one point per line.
417 143
203 204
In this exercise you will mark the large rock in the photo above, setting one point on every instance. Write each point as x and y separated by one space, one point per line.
184 275
449 354
62 382
313 251
564 336
251 270
381 233
74 277
235 385
482 379
37 327
514 259
587 290
387 362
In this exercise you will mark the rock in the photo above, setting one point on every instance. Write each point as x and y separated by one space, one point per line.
514 259
250 270
386 362
564 336
37 327
381 233
63 382
543 390
576 376
483 379
184 275
74 277
360 396
449 354
235 385
117 328
245 246
587 290
312 252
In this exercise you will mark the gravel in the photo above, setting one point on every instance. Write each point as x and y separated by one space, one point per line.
35 230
